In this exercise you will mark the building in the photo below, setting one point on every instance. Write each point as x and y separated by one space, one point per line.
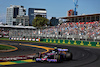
70 13
54 21
12 13
36 12
83 18
22 20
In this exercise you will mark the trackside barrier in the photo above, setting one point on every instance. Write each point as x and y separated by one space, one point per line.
63 41
23 38
33 39
20 38
16 58
17 38
28 39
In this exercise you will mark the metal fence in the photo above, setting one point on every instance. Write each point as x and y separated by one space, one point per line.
68 37
22 33
29 33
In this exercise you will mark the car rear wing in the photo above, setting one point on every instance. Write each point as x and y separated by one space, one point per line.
62 49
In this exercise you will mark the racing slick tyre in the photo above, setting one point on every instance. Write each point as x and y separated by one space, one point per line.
68 56
59 58
35 56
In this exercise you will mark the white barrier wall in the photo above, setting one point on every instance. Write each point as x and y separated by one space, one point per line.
28 39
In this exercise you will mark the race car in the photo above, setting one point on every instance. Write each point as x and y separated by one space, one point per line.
54 56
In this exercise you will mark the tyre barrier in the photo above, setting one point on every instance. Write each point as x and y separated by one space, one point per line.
63 41
28 39
16 58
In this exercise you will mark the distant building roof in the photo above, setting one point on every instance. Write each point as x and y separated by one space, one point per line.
24 27
38 8
79 16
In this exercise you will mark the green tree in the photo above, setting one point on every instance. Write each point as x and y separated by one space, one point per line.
40 22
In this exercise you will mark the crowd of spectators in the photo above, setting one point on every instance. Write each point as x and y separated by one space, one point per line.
4 32
90 29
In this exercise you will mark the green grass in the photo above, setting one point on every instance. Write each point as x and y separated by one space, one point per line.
4 38
5 47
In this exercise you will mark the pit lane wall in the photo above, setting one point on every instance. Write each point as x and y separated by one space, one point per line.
62 41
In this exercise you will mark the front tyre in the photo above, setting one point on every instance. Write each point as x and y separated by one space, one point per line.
60 58
34 58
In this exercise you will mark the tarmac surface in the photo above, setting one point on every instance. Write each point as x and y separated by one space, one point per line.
82 56
22 50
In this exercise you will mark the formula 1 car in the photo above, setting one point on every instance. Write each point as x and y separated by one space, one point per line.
53 56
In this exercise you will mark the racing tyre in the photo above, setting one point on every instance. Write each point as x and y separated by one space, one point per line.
34 58
68 56
60 58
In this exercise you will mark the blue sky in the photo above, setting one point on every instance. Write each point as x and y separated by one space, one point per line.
55 8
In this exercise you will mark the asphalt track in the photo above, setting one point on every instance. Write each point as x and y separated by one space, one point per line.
82 56
22 50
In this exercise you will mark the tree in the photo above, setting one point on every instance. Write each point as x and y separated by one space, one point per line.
40 22
54 21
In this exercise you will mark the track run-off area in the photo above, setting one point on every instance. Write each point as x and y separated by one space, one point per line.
28 60
82 56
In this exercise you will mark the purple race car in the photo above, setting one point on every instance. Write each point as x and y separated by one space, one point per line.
53 56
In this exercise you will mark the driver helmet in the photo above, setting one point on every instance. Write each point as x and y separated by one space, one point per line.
55 47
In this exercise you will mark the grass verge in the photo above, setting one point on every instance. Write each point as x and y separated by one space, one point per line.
4 38
5 47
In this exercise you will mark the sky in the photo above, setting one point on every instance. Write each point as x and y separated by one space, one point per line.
55 8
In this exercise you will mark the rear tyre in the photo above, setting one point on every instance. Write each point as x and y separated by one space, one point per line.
68 56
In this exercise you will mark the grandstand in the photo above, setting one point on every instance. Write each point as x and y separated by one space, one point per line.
4 29
83 18
88 29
